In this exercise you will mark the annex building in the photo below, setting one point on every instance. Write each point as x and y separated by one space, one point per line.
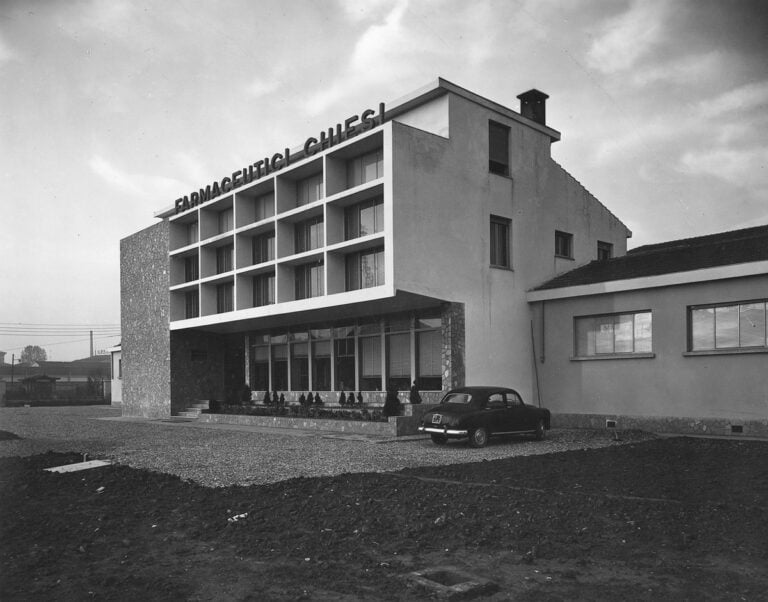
421 240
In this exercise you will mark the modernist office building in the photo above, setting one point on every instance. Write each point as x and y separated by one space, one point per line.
403 243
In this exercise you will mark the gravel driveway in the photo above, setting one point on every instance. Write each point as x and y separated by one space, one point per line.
220 455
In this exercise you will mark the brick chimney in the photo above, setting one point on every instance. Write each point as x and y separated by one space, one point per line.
533 104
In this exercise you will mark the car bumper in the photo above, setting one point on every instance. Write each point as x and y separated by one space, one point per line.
436 430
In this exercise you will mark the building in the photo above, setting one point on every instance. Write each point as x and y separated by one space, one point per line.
670 337
398 245
435 239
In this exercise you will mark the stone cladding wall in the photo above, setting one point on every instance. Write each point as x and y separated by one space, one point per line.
454 370
144 322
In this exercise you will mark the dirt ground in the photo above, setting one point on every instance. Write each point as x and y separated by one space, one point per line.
679 518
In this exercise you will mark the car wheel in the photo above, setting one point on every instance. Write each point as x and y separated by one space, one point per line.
439 439
540 429
478 437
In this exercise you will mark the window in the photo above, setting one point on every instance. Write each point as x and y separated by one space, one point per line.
263 290
370 363
225 220
120 368
399 361
736 326
192 235
365 269
191 304
365 168
344 358
260 367
604 250
264 247
264 207
309 190
224 297
224 259
500 256
563 244
309 235
191 271
364 218
279 363
321 359
300 366
498 148
310 280
613 334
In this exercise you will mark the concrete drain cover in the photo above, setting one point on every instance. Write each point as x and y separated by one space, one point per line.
450 583
80 466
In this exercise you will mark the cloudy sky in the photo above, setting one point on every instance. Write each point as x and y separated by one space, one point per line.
111 109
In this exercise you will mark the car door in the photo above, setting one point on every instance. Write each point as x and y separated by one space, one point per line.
518 419
495 413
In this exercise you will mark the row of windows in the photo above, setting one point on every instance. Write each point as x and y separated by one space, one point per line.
360 170
501 249
717 327
364 357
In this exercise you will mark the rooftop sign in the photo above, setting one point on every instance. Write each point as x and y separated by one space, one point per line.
353 125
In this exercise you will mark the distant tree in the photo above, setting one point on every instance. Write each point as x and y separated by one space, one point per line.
33 353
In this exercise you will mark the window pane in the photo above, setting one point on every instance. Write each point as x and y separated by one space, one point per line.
498 148
367 219
429 349
399 360
727 326
604 334
623 330
368 269
703 328
643 330
752 325
585 336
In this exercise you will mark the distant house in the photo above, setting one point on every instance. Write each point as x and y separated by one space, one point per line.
83 380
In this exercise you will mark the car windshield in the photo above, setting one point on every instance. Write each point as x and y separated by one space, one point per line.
463 398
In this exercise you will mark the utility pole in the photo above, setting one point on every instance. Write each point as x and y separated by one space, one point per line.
91 345
13 361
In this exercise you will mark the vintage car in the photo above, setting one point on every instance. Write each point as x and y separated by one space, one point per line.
481 412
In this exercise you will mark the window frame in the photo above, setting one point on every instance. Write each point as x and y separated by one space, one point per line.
506 224
561 235
603 246
633 354
498 152
732 349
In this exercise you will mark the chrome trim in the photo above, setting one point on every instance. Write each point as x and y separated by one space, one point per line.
449 432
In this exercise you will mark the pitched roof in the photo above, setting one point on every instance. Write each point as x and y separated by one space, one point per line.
713 250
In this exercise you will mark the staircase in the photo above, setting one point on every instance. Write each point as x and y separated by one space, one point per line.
191 412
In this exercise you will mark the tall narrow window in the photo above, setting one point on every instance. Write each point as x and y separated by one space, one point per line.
563 244
498 148
192 235
309 190
300 366
364 218
224 297
365 168
344 358
260 367
263 290
224 258
192 304
399 361
604 250
309 234
264 247
500 255
321 359
370 363
365 269
264 206
310 280
191 271
225 220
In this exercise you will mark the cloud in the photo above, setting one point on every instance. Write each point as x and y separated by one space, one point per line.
261 87
6 53
745 98
690 69
138 185
746 167
628 37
